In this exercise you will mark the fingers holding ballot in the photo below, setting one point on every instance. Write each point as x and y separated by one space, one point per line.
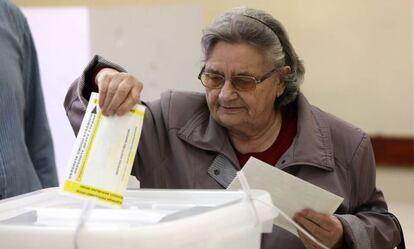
118 91
327 229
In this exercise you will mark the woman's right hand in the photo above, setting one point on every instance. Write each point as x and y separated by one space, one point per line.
118 92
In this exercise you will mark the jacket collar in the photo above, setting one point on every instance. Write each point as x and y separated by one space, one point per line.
203 132
313 142
312 145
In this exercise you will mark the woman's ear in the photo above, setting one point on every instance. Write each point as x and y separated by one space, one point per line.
285 70
281 86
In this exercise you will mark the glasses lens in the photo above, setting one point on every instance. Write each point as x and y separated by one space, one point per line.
211 80
243 83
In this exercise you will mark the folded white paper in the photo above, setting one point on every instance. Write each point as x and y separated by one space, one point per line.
104 152
289 193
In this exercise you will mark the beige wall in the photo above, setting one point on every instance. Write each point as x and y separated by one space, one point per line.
357 54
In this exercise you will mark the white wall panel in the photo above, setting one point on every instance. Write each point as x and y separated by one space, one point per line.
62 39
160 45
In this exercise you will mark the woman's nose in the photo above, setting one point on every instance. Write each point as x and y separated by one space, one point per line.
227 91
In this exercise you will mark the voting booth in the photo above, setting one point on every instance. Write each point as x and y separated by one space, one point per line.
148 219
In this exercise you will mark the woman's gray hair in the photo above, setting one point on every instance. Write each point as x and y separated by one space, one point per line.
260 30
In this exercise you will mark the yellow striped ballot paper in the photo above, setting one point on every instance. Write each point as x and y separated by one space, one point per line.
104 151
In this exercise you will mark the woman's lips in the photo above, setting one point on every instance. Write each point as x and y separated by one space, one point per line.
230 108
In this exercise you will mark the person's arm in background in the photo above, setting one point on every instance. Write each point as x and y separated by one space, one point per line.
37 132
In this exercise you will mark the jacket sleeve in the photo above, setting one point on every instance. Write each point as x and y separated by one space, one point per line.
80 90
367 229
153 144
37 132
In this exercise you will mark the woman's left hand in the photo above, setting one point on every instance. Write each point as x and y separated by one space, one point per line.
327 229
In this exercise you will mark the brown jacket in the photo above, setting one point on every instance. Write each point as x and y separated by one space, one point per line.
181 146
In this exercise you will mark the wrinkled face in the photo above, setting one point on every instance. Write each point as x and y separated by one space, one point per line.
242 110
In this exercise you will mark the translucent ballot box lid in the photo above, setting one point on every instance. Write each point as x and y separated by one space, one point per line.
148 219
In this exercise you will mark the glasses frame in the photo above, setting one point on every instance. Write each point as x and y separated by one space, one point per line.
257 81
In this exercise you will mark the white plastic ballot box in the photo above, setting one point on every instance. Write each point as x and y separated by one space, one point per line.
148 219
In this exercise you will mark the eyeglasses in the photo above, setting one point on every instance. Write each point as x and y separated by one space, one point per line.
239 82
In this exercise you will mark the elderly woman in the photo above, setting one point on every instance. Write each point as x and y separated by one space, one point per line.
252 106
